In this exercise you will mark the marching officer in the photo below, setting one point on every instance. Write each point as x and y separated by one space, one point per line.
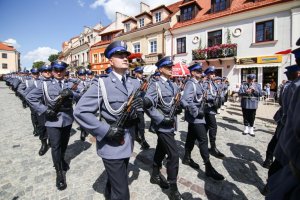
250 93
140 127
108 70
109 95
211 106
159 100
54 99
192 100
90 76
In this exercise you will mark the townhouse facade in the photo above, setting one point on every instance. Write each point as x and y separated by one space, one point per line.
145 32
238 37
9 58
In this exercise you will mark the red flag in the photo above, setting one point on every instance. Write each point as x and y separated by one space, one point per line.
284 52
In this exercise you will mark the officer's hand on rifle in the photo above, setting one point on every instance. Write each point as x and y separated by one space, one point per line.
137 103
115 133
50 115
167 121
66 93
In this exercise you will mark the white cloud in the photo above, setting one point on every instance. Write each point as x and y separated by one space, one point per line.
39 54
80 3
13 42
127 7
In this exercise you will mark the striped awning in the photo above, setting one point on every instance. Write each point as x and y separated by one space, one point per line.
258 65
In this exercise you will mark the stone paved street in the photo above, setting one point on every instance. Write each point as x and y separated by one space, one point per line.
26 175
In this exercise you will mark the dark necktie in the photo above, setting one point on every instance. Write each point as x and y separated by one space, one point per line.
60 84
124 82
171 86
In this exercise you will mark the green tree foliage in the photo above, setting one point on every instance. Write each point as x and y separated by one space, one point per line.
38 64
53 57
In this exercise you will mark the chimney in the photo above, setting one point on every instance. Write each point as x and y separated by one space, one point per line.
119 18
144 7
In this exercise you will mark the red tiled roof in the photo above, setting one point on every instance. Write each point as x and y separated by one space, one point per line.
113 31
237 6
190 3
6 47
101 43
175 6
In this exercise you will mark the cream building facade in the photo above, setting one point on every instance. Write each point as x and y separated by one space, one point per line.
9 58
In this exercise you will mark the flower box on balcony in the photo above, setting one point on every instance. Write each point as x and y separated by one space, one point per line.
217 51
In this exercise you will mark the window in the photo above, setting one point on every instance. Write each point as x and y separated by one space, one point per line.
95 58
153 46
187 13
142 22
4 65
137 48
4 55
264 31
181 43
103 59
127 27
158 17
214 38
245 72
219 5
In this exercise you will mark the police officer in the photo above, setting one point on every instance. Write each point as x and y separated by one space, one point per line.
192 100
81 89
109 95
159 100
90 76
250 93
54 99
39 121
292 74
212 96
140 127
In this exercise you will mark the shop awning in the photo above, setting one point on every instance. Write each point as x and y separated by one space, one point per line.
258 65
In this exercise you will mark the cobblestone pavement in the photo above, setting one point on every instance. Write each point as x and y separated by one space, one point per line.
26 175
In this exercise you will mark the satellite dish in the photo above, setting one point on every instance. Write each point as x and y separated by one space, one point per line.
237 32
195 40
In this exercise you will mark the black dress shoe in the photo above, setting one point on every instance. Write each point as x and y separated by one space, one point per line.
211 172
191 163
145 145
44 148
268 162
174 193
216 153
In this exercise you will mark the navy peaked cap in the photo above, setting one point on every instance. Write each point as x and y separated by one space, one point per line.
46 68
195 66
108 70
34 70
292 68
59 65
251 76
165 62
116 47
209 70
139 69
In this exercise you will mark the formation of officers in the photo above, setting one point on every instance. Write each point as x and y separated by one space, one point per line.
111 108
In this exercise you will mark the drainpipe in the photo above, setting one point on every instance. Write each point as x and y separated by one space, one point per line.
163 42
171 42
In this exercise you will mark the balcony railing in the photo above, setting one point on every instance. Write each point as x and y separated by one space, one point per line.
217 51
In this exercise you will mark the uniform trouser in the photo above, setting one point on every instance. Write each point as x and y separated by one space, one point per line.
38 125
140 127
197 131
211 126
117 182
249 116
59 138
272 144
166 144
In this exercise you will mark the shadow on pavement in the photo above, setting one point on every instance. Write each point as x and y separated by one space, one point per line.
234 113
75 149
261 130
246 152
243 171
226 189
100 183
266 120
229 127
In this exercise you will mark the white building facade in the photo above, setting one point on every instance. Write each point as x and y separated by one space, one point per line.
258 33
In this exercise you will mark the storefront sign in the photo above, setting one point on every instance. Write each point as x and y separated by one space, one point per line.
269 59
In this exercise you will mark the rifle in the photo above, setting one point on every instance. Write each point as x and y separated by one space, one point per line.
61 99
176 103
128 108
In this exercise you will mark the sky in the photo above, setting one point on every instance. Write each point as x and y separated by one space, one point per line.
37 28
